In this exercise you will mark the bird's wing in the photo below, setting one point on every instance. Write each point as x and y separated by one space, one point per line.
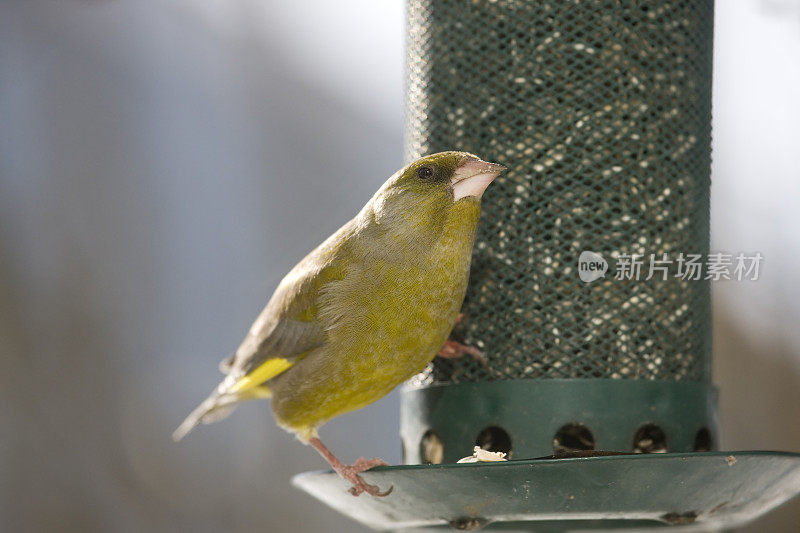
273 344
256 362
289 327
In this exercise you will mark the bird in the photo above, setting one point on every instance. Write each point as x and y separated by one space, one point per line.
364 311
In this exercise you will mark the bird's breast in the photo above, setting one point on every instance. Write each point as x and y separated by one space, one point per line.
384 320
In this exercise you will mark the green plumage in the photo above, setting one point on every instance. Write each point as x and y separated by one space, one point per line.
365 310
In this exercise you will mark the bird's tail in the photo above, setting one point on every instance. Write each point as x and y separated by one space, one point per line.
214 408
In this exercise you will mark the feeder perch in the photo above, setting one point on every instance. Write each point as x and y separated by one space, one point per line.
599 392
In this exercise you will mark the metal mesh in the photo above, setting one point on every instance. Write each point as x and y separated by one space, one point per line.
601 111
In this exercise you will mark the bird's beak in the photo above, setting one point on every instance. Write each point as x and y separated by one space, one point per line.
473 176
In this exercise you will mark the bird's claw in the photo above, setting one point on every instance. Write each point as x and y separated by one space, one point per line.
360 486
351 474
454 349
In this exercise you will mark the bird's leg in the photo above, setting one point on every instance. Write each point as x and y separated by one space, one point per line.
454 349
351 472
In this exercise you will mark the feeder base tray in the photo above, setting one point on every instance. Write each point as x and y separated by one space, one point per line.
717 489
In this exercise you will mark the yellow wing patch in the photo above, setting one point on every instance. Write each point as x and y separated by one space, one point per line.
266 370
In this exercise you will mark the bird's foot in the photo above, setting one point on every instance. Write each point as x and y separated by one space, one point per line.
454 349
351 474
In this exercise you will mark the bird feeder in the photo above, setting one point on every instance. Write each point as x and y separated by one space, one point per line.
597 387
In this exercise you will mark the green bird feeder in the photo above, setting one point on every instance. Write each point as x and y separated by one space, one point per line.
597 386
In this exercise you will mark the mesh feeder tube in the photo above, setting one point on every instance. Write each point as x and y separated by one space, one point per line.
598 391
601 111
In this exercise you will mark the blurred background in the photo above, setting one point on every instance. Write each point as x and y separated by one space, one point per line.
164 162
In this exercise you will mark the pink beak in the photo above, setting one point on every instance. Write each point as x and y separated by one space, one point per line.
473 176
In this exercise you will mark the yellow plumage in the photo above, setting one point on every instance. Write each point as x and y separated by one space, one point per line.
263 373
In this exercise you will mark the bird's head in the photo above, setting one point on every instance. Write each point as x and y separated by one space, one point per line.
457 175
424 192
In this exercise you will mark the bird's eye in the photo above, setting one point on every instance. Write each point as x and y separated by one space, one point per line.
425 173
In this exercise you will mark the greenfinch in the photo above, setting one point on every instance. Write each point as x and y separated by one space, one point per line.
366 310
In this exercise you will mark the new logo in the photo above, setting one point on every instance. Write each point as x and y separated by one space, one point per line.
591 266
